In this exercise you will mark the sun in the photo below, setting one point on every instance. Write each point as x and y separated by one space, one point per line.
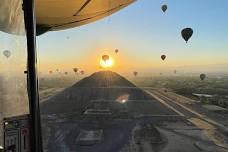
107 64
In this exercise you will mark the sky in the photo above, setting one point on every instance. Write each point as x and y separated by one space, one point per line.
142 33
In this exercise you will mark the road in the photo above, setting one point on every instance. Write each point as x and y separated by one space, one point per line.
196 116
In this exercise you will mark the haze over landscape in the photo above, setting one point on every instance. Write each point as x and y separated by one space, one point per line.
112 107
128 82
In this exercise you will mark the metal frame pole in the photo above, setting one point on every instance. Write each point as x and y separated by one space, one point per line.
30 26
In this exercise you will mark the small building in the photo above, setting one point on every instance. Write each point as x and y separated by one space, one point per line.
89 137
102 112
203 95
99 111
97 114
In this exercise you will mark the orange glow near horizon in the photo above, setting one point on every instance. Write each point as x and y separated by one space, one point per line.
124 62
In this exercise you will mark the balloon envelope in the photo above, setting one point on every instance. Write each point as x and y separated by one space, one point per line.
116 51
163 57
54 15
7 53
164 8
186 34
135 73
65 14
75 70
202 76
82 72
105 58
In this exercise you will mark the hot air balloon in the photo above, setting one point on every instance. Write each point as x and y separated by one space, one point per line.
50 72
135 73
202 76
175 71
7 53
75 70
57 70
65 73
105 58
163 57
186 34
116 51
70 14
164 8
82 72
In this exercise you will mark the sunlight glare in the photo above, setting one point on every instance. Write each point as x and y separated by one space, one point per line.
107 64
